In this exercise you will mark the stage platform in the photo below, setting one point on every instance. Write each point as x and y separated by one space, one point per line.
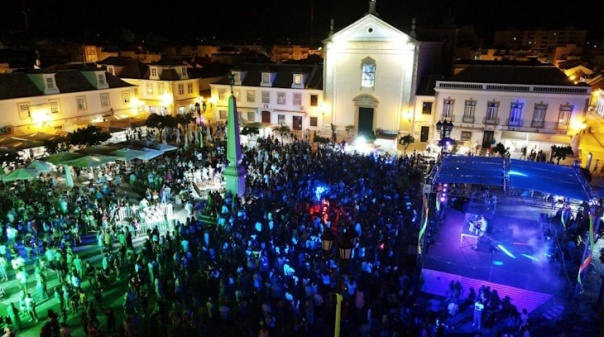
515 254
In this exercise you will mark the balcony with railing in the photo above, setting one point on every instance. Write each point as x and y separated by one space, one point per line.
537 124
490 121
562 126
468 119
514 122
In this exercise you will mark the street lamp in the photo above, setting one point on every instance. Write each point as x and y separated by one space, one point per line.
327 239
444 127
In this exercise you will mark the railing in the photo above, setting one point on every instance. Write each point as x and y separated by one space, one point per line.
537 124
491 121
468 119
562 126
514 122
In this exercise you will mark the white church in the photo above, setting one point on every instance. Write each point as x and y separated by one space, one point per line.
376 80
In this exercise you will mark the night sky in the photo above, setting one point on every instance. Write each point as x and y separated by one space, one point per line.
270 19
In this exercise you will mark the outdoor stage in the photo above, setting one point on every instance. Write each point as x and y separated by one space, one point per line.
516 255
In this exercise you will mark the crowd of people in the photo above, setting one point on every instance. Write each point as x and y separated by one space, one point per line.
250 265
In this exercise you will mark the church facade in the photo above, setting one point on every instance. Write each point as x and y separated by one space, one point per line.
371 74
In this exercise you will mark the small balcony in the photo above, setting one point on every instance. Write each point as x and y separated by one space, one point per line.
490 121
514 122
537 124
562 126
467 119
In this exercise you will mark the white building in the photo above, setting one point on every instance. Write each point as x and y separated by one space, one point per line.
518 104
273 94
47 102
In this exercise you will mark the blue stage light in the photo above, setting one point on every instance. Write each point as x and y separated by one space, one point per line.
497 263
507 252
530 257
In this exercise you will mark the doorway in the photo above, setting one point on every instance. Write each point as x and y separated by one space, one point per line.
366 122
297 123
424 134
266 117
487 139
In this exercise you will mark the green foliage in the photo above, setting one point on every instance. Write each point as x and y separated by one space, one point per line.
405 141
560 152
250 131
56 144
184 119
500 149
90 135
283 130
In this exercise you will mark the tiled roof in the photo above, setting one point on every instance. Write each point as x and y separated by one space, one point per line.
126 67
19 84
512 74
284 74
15 85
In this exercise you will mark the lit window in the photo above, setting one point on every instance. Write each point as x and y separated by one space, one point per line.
189 88
368 77
126 97
24 111
281 119
251 116
516 114
281 98
426 108
314 100
160 88
314 121
101 79
297 99
539 115
50 83
468 112
181 89
154 72
105 100
81 103
448 108
54 105
492 108
251 96
221 94
297 79
150 88
266 97
564 116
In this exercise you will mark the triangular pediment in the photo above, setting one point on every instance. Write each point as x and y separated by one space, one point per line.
372 29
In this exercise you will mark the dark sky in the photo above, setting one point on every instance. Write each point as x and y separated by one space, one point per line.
230 19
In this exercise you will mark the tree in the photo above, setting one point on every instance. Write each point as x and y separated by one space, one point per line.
560 152
283 130
405 141
90 135
160 122
500 149
250 131
56 144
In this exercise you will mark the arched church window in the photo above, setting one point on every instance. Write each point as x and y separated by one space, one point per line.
368 73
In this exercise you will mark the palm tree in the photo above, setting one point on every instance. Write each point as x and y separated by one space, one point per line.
405 141
283 130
